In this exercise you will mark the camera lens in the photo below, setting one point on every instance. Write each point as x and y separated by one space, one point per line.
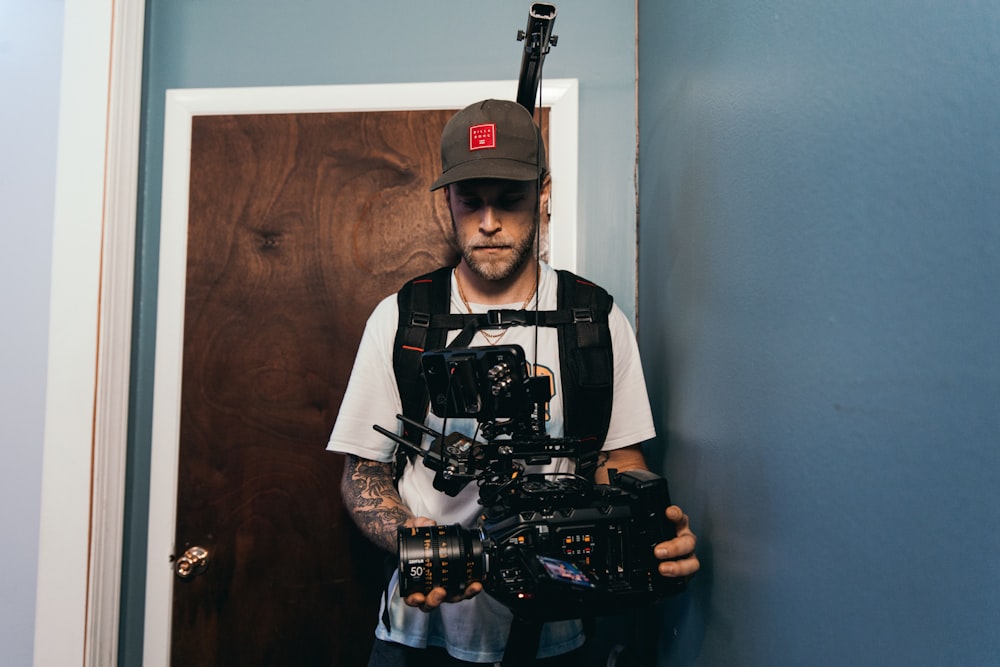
447 556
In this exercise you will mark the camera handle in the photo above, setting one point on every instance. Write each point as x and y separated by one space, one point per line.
450 455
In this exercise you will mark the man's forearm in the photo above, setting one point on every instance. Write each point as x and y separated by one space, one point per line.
627 458
373 501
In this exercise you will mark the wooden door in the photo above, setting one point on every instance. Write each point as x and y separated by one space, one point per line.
299 224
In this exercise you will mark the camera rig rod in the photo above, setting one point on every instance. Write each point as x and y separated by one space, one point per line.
458 459
538 39
451 456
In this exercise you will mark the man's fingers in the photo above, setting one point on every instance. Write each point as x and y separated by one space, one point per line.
680 519
419 522
679 547
678 554
432 600
683 567
474 589
437 596
414 599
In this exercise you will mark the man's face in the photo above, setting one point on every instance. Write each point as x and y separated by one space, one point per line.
494 224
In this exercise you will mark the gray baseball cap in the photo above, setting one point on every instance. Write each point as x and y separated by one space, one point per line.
491 139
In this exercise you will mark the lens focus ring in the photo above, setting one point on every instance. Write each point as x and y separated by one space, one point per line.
430 556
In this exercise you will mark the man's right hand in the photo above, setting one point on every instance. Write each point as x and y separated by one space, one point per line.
438 596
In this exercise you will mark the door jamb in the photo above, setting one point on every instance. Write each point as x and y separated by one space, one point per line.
87 386
560 95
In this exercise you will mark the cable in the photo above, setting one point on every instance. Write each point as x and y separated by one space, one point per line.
538 217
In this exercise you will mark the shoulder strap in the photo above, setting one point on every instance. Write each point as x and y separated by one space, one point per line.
418 301
586 364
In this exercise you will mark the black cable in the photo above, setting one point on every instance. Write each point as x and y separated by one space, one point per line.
538 217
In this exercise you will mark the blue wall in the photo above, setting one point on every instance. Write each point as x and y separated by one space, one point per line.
224 43
819 307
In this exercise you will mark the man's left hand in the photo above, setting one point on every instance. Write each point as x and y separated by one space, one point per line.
677 555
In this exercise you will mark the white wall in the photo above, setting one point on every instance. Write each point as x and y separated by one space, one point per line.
30 58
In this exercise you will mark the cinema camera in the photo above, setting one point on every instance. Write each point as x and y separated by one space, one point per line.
548 547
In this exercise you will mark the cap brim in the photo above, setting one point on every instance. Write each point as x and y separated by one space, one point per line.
512 170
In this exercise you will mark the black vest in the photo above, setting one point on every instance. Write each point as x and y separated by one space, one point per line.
585 355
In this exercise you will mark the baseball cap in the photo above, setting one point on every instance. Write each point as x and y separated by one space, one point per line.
491 139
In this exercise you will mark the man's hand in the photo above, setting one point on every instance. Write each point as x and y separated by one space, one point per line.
437 596
677 555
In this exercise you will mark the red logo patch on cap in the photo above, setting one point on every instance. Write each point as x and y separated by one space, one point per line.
482 136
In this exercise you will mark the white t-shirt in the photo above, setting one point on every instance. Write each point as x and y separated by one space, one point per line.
475 630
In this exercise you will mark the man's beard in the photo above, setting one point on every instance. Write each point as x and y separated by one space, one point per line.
499 268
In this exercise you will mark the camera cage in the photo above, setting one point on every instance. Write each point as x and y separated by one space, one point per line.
493 386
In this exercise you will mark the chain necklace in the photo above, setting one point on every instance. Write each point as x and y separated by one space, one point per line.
494 338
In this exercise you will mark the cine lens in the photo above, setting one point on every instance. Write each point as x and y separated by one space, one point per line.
431 556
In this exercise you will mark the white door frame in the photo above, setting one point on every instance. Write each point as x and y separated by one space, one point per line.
560 95
83 470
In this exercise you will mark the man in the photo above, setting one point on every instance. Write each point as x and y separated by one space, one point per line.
496 186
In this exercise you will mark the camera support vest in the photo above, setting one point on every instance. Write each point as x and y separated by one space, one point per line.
585 355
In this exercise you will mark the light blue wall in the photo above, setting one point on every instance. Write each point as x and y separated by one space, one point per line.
30 63
223 43
820 323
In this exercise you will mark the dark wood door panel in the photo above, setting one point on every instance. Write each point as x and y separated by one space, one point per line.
298 225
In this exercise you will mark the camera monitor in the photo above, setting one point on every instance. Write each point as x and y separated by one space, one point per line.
484 383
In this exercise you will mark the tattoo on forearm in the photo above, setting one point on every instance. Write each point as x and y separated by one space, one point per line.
602 459
373 501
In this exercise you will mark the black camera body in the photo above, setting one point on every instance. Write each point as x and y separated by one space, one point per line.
552 549
547 546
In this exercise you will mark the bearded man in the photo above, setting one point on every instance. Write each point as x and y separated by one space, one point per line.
497 186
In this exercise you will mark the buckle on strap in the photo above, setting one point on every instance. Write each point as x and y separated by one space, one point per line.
506 318
582 315
420 319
